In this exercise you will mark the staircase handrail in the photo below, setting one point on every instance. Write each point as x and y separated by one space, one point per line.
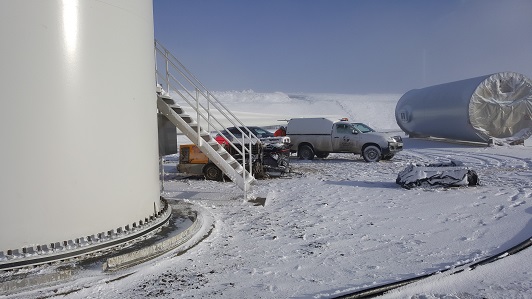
172 63
248 134
206 118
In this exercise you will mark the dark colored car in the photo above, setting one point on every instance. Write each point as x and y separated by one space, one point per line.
237 133
274 151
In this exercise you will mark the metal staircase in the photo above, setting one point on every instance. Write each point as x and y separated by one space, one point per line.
182 92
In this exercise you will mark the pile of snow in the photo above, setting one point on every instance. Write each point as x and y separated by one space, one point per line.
274 109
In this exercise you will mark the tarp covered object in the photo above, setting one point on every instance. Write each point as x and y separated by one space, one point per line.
478 109
442 174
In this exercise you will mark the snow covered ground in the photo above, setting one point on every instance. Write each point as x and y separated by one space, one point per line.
338 225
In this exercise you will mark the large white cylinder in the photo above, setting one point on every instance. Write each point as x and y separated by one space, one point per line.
477 109
78 119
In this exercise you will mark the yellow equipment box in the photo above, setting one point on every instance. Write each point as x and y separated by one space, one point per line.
191 154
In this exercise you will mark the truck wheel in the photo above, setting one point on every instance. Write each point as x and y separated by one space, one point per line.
212 172
371 153
322 155
305 152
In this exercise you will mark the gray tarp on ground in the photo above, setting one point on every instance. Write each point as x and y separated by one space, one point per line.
492 106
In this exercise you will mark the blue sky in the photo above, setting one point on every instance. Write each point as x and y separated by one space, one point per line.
344 46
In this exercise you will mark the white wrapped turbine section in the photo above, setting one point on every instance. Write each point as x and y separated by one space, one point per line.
478 109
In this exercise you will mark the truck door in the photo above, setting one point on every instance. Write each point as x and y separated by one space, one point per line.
343 139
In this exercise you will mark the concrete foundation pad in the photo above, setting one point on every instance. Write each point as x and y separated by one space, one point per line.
187 226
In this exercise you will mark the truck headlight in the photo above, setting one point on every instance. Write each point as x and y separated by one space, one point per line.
397 138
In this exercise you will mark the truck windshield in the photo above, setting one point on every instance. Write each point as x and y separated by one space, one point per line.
362 127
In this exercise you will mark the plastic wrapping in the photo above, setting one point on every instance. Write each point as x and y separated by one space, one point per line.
443 174
478 109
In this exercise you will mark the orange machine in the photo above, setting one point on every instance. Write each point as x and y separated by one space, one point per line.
194 162
191 154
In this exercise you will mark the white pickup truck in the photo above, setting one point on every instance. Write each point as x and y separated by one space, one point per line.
320 136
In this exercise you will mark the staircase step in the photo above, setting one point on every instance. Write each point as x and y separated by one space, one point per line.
239 169
211 148
218 147
168 100
231 160
224 155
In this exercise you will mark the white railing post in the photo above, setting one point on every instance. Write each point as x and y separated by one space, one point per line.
198 116
244 165
167 72
155 59
250 155
208 112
